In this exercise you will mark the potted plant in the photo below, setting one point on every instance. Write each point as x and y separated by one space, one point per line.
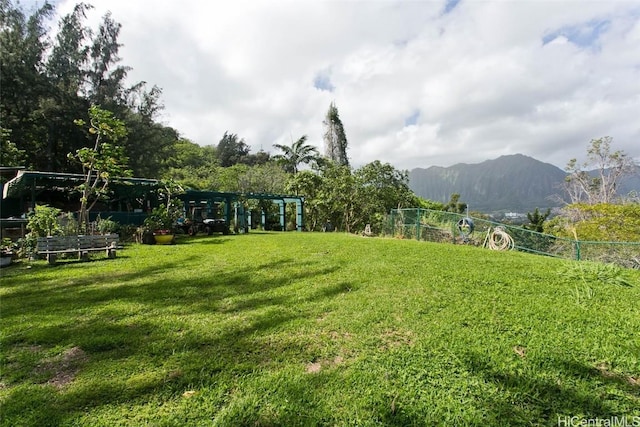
6 252
161 223
163 219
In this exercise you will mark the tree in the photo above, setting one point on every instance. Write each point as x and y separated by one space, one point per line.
10 155
336 201
23 44
309 184
149 145
47 84
455 205
600 185
380 188
536 220
298 153
335 139
101 163
105 78
231 150
68 59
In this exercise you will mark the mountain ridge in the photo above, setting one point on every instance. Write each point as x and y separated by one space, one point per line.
515 183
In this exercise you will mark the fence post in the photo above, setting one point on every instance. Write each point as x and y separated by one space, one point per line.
392 217
418 225
577 250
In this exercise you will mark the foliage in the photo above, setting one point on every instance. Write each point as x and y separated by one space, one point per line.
335 198
10 155
309 184
23 44
149 146
598 222
380 188
106 225
429 204
47 83
7 246
187 154
315 329
455 205
102 163
335 139
585 187
232 150
43 221
536 220
351 199
161 218
298 153
165 216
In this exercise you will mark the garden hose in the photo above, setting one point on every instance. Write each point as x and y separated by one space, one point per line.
499 240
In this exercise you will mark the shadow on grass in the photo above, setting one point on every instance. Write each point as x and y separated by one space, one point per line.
204 240
561 389
85 312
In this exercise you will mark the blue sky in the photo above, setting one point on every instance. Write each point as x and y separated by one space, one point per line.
417 83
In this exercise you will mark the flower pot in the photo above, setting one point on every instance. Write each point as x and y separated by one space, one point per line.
5 260
163 239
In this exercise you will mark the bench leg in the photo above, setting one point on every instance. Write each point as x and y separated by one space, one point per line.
111 253
83 256
51 258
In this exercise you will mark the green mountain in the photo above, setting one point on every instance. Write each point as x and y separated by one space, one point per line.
515 183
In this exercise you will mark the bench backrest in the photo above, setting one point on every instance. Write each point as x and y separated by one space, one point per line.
61 243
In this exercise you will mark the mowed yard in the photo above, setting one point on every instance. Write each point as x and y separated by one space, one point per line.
287 329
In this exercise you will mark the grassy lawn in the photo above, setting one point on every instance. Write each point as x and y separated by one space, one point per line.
294 329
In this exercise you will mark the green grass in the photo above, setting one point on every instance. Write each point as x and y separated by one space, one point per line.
293 329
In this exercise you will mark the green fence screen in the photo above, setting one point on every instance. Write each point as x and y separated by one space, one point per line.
441 226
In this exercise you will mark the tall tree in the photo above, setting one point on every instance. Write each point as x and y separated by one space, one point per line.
101 163
335 139
106 78
23 43
66 65
10 155
298 153
596 180
66 72
232 150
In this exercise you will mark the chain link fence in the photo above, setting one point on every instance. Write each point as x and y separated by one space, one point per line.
440 226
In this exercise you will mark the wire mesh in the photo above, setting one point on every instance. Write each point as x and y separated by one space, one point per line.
441 226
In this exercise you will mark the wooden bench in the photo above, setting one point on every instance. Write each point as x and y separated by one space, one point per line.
55 245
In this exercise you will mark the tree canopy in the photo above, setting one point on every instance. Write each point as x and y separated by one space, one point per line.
298 153
48 83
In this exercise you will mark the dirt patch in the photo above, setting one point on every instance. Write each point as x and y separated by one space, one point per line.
392 339
520 351
317 366
63 368
314 368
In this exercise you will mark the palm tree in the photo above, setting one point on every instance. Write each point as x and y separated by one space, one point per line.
298 153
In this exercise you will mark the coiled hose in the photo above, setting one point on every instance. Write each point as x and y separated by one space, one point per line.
499 240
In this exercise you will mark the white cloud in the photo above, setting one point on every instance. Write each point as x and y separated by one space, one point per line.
488 78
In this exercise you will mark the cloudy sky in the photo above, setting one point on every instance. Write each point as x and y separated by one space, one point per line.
416 83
